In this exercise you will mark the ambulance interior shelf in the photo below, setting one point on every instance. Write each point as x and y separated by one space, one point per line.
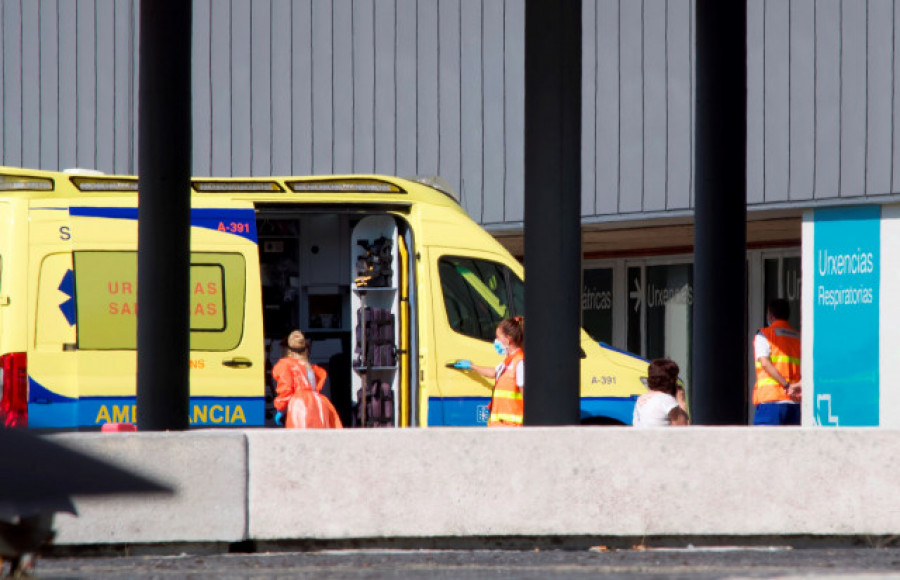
374 307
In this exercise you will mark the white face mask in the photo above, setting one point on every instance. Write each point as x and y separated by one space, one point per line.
500 347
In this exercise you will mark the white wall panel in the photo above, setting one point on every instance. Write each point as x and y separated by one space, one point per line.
631 106
124 105
322 87
879 134
802 93
220 88
449 91
301 87
514 111
494 131
261 88
895 96
106 84
343 97
201 88
363 15
407 95
68 93
281 85
471 108
135 41
756 117
6 55
49 115
31 83
679 104
889 307
854 77
588 107
828 97
86 84
607 118
776 104
12 83
385 86
655 107
427 138
241 85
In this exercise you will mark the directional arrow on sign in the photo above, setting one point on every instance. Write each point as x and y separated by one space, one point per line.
831 419
637 294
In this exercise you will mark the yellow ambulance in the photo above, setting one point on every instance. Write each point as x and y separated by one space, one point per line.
389 278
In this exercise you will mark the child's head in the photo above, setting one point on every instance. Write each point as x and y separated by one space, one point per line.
662 375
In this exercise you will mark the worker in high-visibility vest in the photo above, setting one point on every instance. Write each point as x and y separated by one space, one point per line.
778 387
507 407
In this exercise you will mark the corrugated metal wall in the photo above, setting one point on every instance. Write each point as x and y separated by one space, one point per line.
822 99
68 85
436 87
637 94
355 86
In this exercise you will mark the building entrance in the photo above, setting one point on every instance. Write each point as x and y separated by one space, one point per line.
645 306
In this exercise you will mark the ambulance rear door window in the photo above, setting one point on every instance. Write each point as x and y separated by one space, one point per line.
106 300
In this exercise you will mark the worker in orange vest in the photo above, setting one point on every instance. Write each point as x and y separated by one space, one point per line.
778 387
507 408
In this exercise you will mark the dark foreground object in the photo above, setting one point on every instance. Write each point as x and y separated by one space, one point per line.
597 562
38 478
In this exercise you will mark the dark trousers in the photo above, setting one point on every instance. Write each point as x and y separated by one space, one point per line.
777 414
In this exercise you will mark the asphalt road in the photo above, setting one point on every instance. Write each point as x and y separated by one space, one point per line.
699 563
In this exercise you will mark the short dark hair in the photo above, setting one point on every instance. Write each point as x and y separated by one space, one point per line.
662 375
780 309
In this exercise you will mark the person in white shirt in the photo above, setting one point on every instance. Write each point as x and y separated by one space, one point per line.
664 404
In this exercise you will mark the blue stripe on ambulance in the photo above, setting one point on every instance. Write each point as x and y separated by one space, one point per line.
47 409
240 222
618 408
203 411
458 411
471 411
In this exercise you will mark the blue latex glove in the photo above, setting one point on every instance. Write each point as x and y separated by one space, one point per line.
279 418
463 364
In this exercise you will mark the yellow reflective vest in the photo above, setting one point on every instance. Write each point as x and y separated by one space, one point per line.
785 344
507 409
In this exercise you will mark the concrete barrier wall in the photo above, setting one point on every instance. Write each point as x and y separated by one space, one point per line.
419 483
207 470
573 481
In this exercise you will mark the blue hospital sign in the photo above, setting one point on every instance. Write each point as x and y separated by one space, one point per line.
846 316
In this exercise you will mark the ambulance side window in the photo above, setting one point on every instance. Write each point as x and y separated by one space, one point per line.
106 300
475 295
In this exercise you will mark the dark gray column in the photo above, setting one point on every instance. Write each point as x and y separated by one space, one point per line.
720 214
164 157
552 211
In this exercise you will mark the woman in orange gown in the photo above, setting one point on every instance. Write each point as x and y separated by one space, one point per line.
298 385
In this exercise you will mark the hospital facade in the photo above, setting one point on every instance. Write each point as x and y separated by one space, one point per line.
436 87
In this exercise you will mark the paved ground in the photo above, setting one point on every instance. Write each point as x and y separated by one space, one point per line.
652 564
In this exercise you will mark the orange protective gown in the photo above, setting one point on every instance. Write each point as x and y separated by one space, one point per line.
306 407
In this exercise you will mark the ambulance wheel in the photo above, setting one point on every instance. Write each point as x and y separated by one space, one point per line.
602 422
